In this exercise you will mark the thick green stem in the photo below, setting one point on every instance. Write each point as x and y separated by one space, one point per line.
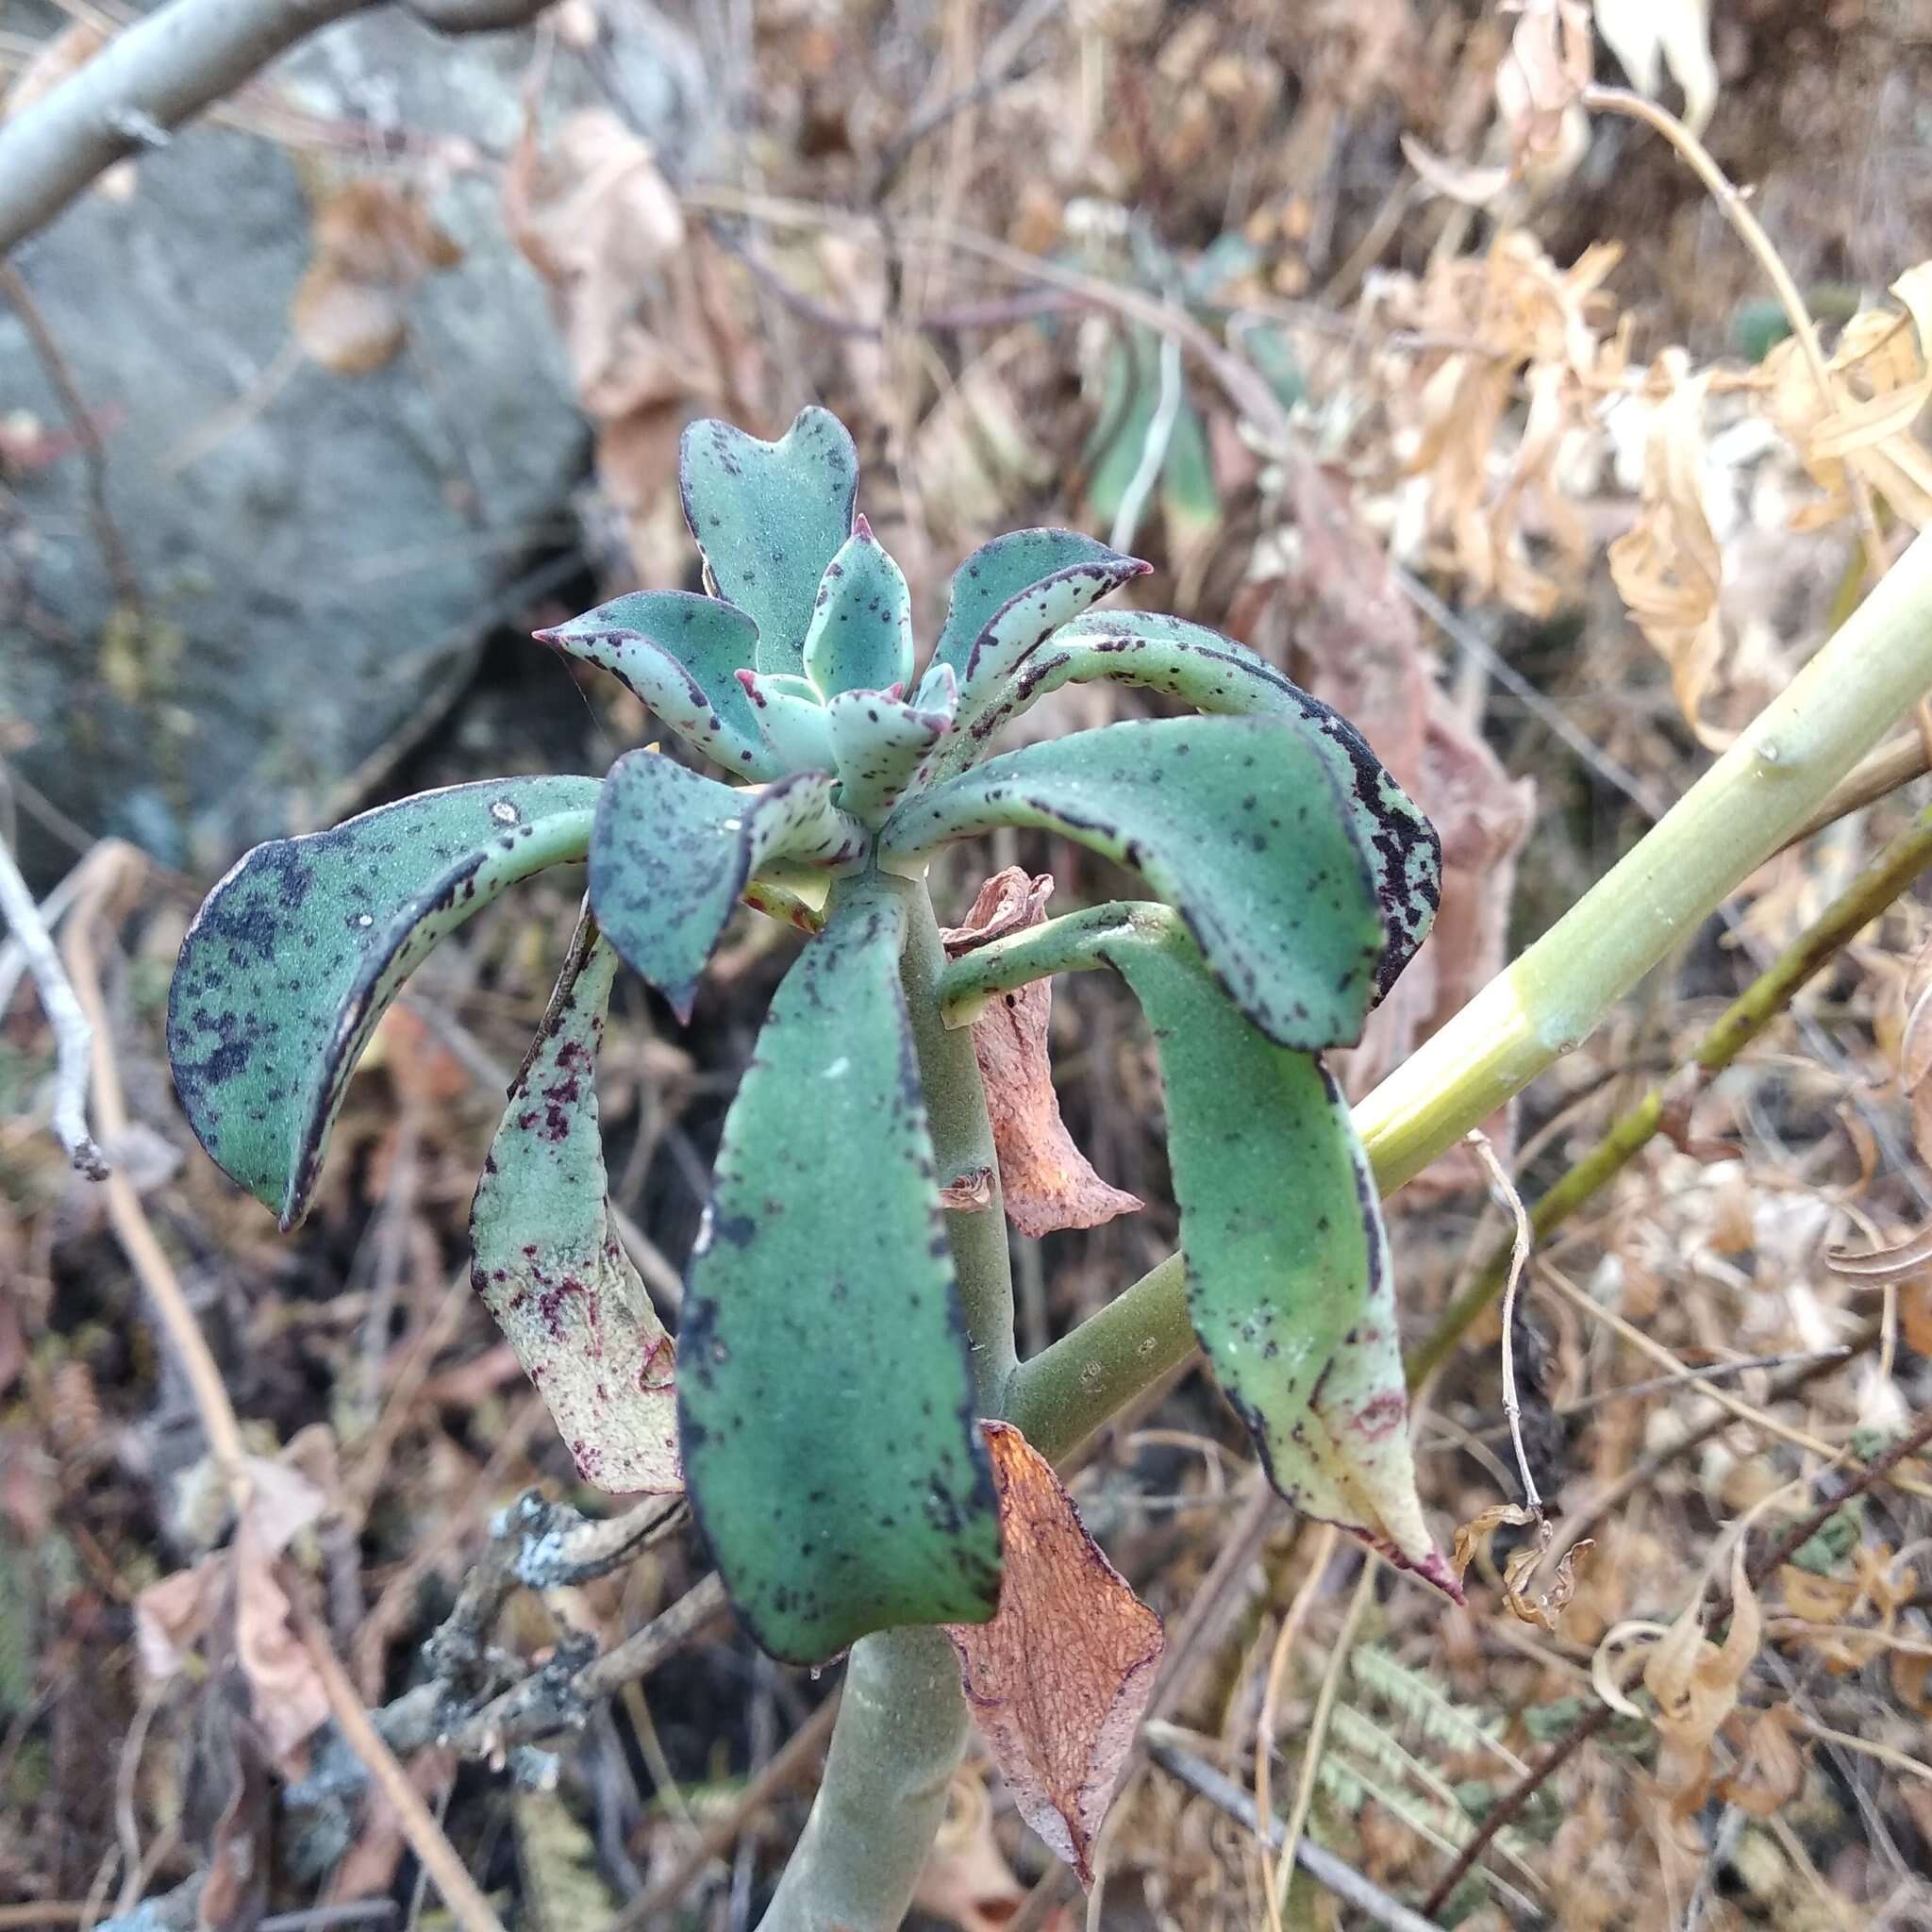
1743 810
1754 1010
900 1729
962 1143
902 1722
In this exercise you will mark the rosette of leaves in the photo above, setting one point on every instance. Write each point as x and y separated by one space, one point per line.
827 1419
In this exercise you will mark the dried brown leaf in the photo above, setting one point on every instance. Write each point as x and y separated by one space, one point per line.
1900 1263
1047 1181
1649 35
1668 566
1695 1684
182 1612
1059 1679
1817 1599
374 242
1545 1608
967 1881
1771 1772
1463 181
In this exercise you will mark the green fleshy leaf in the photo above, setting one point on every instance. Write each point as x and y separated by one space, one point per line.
860 636
547 1262
769 517
792 724
1216 674
880 744
681 655
298 952
1288 1283
672 851
1238 823
1012 566
824 1395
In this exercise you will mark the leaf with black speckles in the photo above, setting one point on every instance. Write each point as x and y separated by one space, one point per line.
1238 823
1288 1283
547 1262
298 952
994 581
878 743
860 634
769 517
1215 674
824 1395
681 655
672 851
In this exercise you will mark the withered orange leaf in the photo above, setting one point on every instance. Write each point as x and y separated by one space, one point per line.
1047 1181
1059 1679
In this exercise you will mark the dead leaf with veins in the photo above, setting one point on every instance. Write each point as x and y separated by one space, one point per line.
1059 1679
1695 1684
1048 1183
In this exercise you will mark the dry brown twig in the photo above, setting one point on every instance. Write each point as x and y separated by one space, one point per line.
164 70
1503 1191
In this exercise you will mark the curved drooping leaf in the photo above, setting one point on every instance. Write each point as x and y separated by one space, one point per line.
860 634
792 724
298 952
1005 570
672 850
1216 674
769 517
879 744
681 655
1287 1273
547 1262
824 1395
1289 1282
1238 823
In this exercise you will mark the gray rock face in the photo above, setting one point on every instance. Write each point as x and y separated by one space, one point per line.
316 553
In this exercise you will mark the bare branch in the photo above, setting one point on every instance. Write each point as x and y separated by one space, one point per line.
163 70
72 1036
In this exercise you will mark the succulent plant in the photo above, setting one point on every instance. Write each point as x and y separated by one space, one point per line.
840 1336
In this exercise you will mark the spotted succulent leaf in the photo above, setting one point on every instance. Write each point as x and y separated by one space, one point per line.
769 517
792 724
860 635
672 851
298 952
824 1395
1000 592
1214 674
549 1266
681 656
1238 823
879 744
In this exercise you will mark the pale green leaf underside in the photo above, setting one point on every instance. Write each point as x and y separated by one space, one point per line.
681 655
549 1267
1238 823
298 952
825 1395
769 517
879 744
672 851
1008 568
1288 1283
1215 674
860 635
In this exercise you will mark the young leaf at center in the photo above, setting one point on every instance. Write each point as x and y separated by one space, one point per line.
825 1396
547 1262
